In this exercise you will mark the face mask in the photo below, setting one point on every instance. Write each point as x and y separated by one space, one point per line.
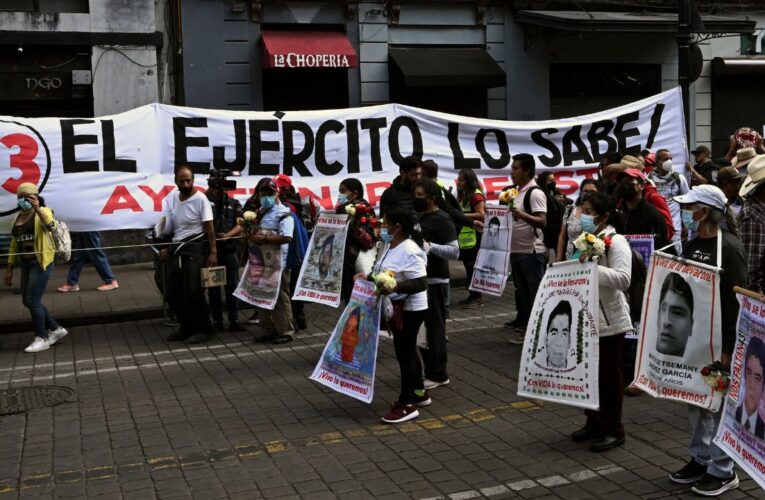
342 199
551 186
419 204
267 201
24 205
588 223
384 236
688 221
627 192
667 166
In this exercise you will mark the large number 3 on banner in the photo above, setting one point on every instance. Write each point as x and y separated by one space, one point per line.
22 160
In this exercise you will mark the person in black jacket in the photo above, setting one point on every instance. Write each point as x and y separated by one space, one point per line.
639 216
401 193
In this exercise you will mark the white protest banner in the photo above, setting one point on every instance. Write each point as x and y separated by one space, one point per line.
261 278
559 361
741 433
125 162
679 331
493 262
321 275
347 364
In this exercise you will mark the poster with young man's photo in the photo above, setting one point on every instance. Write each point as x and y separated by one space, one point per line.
680 331
741 433
321 275
492 264
559 361
261 278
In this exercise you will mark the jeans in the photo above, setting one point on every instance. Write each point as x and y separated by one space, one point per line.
702 449
185 289
278 321
608 420
231 261
91 239
434 357
405 345
33 282
528 270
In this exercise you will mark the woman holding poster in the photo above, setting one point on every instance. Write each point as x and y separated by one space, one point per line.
604 427
360 237
710 470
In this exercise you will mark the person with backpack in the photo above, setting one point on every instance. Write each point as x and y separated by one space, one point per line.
604 427
33 250
527 248
669 183
637 214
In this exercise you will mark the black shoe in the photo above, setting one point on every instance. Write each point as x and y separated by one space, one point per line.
584 434
218 326
301 323
284 339
236 327
265 337
690 473
604 443
513 324
711 486
178 336
200 338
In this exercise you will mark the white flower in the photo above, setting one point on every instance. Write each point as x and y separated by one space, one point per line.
350 210
250 216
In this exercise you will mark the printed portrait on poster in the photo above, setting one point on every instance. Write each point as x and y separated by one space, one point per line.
675 317
750 399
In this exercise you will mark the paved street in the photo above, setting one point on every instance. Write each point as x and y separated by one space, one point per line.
241 420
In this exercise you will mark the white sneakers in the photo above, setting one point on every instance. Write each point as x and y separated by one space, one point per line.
432 384
41 344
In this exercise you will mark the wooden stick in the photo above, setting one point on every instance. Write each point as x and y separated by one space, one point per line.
749 293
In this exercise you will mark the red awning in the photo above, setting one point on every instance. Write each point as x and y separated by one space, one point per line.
308 49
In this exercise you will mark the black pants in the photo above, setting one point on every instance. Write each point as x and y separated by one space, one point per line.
434 357
405 344
630 354
608 420
468 258
527 270
298 306
231 261
186 290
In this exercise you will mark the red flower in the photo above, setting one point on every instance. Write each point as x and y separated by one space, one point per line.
607 241
363 220
361 209
720 385
705 371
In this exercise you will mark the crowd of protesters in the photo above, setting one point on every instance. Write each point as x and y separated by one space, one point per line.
711 211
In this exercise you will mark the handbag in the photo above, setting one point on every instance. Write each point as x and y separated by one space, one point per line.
392 318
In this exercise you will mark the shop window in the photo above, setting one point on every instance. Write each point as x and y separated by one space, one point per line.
295 89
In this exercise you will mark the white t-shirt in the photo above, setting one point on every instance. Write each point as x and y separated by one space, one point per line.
408 261
185 218
525 238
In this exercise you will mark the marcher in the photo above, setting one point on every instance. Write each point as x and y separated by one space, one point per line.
705 170
669 183
527 252
358 239
710 470
405 256
729 180
571 228
225 210
473 203
275 227
546 181
441 246
400 193
604 426
752 224
744 157
33 250
639 216
86 246
190 222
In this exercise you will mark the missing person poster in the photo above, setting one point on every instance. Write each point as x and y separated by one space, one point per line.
261 278
321 276
493 262
559 361
348 362
642 244
741 433
680 331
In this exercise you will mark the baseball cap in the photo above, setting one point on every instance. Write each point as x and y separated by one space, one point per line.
707 194
631 172
283 181
701 149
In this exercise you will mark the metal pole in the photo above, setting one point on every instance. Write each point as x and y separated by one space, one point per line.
685 8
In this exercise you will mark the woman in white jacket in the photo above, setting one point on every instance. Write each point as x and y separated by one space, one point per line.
604 427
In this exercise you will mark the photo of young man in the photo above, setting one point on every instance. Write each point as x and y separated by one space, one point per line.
675 318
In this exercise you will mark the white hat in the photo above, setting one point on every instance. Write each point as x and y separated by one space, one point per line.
755 175
707 194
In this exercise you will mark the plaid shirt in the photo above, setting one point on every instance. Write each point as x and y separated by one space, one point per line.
752 230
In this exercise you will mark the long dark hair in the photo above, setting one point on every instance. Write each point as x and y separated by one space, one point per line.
353 184
584 183
602 203
471 184
407 222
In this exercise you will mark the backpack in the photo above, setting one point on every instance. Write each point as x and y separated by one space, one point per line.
299 243
62 240
637 286
554 217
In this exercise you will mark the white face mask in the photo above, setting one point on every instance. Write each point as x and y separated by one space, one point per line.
667 166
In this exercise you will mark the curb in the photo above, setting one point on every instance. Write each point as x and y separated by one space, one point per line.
87 319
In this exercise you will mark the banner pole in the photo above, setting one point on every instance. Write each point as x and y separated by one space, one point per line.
749 293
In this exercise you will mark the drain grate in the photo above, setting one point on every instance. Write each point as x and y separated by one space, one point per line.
23 399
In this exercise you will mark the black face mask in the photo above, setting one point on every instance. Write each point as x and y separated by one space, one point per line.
626 192
420 204
551 187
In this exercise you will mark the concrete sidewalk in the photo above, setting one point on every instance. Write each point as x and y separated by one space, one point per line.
137 298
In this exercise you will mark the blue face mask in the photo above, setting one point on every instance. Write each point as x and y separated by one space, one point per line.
24 205
384 236
588 223
342 199
267 201
688 222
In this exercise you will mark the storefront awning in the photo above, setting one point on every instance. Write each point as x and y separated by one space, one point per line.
738 66
444 67
628 22
308 49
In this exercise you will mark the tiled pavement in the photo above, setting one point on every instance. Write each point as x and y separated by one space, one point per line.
242 420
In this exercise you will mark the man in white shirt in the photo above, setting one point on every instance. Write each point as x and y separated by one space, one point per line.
747 413
190 222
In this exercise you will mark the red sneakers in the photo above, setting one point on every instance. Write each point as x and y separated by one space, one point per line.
400 413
